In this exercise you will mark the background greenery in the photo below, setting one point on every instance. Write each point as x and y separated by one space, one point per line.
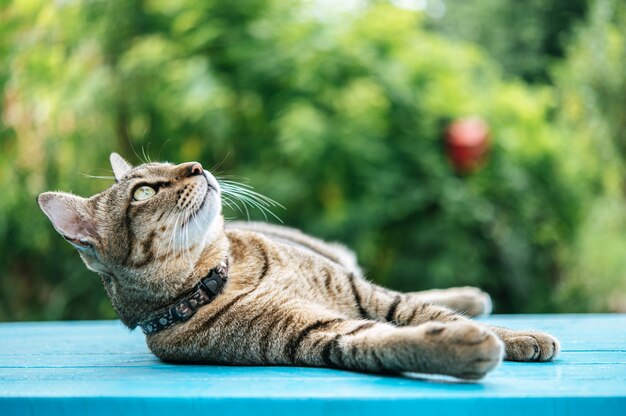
337 111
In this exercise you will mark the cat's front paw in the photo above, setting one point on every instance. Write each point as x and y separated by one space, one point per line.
530 346
465 350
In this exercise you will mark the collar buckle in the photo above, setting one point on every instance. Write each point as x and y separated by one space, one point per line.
213 283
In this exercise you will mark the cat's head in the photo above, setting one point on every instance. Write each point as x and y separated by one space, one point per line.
145 234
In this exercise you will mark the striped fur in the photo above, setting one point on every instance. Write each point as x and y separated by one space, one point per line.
291 299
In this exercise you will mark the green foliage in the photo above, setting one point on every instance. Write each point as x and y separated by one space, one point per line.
338 117
525 37
592 98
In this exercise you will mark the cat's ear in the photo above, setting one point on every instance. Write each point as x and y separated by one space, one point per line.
70 217
119 165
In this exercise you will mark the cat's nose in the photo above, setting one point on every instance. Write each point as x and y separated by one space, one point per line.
195 169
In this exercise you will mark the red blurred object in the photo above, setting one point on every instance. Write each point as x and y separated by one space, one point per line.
467 144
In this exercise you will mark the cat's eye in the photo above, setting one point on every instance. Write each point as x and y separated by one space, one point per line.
144 192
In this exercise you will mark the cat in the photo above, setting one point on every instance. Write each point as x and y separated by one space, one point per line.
207 291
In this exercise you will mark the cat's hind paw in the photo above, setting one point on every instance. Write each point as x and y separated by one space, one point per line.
530 346
474 302
469 300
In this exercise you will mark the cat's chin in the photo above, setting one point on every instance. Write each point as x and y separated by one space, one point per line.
211 203
208 220
203 220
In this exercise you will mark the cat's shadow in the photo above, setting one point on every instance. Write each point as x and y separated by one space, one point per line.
436 379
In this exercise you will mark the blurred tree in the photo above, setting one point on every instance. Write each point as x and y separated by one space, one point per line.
337 116
525 37
591 87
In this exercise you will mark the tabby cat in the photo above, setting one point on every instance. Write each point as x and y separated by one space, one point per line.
273 295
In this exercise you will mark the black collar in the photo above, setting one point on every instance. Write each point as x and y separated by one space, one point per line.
202 294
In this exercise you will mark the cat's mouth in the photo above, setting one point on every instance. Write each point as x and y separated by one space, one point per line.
201 206
211 182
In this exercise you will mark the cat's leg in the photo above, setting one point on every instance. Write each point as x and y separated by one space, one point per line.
467 300
261 330
375 302
316 337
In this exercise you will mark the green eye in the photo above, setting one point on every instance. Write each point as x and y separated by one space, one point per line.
144 192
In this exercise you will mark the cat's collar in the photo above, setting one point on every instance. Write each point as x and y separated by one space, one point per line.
202 294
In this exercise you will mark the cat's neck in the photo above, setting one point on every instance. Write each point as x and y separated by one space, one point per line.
134 303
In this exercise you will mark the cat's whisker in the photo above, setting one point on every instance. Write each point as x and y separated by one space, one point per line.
233 199
244 203
201 216
167 242
231 178
183 238
130 142
174 232
180 232
224 202
245 207
144 151
163 147
219 164
243 195
252 199
169 223
245 188
230 203
188 252
187 247
97 176
258 197
236 188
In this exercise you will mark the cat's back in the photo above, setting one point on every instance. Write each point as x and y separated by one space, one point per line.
294 240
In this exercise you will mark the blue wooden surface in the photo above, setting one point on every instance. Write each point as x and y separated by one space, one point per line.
100 368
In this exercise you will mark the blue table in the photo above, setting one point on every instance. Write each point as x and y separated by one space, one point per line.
100 368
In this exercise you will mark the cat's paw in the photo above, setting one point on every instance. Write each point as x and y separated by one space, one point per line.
465 350
472 301
469 300
530 346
